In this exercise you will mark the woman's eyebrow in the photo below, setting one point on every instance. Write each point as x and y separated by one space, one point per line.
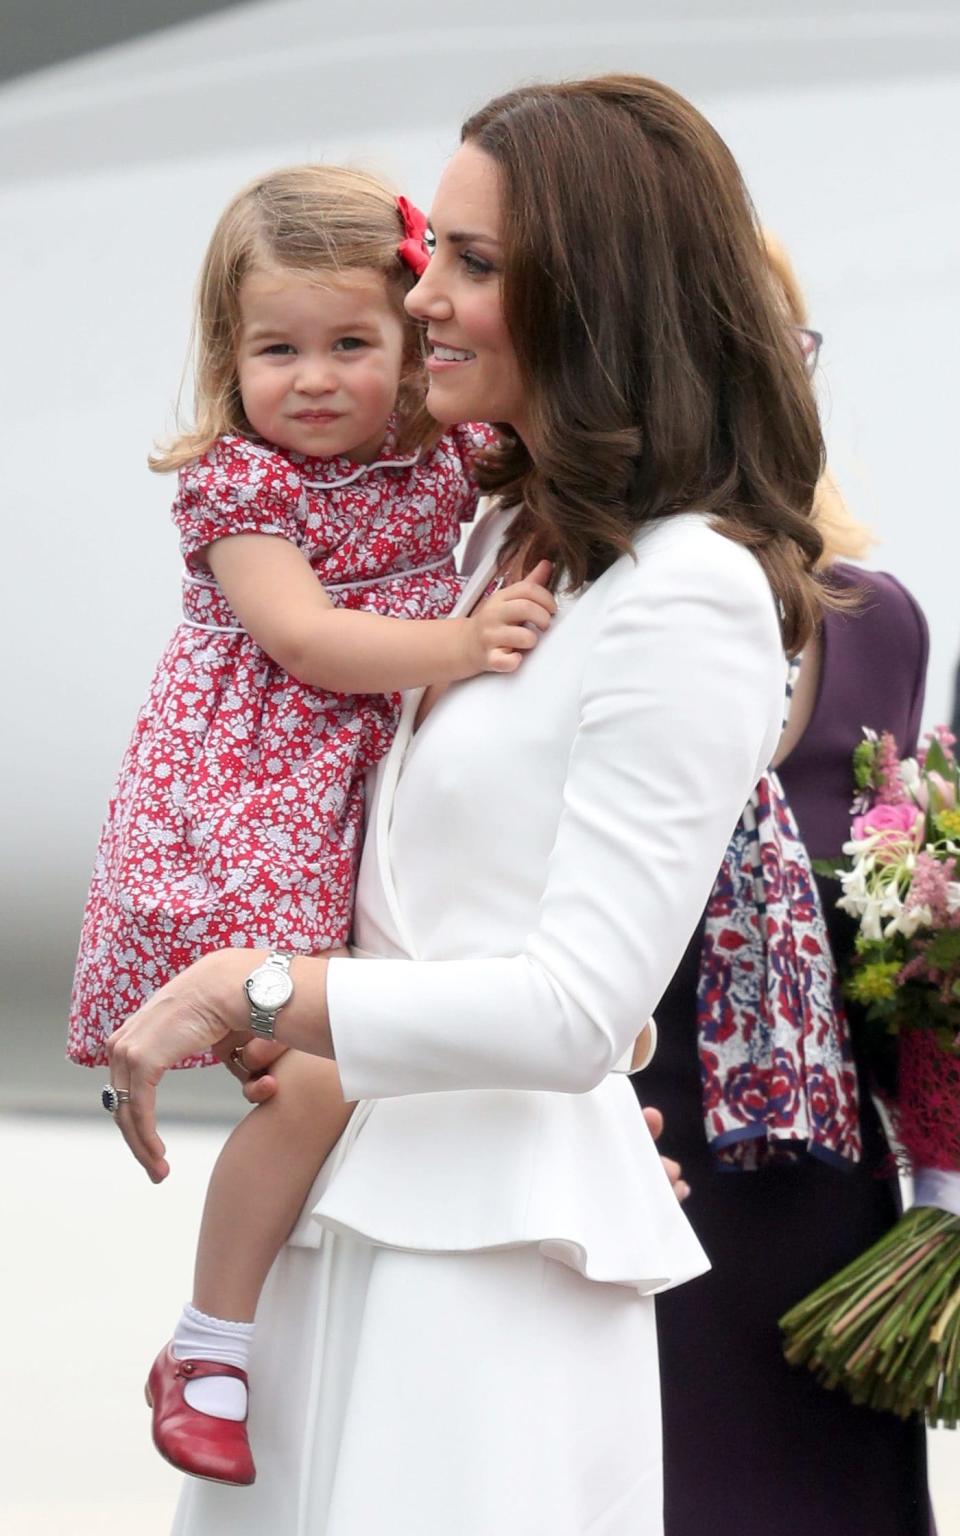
466 237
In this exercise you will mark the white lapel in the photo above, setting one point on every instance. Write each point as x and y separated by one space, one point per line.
480 561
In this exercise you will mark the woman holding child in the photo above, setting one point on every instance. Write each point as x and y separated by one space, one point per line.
460 1336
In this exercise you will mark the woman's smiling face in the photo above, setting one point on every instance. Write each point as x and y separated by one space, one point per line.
473 370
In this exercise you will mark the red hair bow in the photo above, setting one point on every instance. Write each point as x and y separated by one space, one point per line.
413 250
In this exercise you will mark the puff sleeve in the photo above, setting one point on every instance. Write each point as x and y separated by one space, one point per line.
678 713
235 487
464 443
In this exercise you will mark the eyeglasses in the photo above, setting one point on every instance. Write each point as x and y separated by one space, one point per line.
810 343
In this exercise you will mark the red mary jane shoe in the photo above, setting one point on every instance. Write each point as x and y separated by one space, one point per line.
198 1443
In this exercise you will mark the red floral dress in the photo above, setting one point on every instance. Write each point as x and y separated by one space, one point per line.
237 815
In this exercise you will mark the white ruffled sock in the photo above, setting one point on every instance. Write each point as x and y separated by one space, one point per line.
199 1337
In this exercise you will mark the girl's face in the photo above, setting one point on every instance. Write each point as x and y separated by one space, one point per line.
473 370
319 361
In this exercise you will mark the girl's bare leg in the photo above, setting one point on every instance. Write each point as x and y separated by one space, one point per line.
260 1181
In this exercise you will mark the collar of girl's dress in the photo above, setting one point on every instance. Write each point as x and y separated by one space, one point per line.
333 473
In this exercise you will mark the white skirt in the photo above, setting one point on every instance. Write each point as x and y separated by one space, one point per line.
398 1393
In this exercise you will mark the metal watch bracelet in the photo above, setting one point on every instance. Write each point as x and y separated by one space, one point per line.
263 1016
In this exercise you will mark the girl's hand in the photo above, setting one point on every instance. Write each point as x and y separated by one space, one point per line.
249 1061
191 1014
510 622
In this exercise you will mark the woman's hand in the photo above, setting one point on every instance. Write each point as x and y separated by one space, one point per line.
249 1060
671 1168
508 623
191 1014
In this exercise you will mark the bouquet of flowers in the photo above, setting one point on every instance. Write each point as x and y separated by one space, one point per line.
887 1328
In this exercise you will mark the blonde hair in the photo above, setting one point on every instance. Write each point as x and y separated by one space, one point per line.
844 538
307 219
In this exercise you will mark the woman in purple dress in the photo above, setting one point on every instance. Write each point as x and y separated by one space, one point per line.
752 1446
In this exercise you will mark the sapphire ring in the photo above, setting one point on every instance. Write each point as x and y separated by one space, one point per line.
111 1098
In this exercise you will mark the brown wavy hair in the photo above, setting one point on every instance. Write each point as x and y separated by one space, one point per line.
662 374
308 220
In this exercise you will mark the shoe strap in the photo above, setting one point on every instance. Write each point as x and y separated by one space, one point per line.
193 1370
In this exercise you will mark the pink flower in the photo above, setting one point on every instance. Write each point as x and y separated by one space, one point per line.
946 793
930 889
895 830
886 818
944 736
886 769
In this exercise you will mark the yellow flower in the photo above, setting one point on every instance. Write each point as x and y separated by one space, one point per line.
875 983
947 823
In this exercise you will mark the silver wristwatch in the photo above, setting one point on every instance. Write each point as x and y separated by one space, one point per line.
267 989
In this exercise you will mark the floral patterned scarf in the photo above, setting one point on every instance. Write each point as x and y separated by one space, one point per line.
776 1063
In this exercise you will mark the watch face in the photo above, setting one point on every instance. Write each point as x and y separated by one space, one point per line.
270 988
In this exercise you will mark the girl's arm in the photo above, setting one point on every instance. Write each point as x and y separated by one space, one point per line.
275 594
679 713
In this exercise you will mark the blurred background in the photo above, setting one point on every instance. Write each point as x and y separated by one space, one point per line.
123 131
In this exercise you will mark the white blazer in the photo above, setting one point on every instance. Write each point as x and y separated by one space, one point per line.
537 856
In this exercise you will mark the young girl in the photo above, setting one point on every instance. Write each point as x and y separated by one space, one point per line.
318 512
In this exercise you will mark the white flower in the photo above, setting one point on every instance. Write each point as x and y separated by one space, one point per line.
907 921
861 882
910 778
862 904
870 925
861 851
855 898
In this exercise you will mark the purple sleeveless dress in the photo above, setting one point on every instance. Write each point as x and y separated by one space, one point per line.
753 1447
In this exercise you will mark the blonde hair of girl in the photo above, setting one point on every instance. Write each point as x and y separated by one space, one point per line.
313 220
844 538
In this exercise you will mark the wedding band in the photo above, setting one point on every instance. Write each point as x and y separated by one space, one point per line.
236 1056
111 1098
